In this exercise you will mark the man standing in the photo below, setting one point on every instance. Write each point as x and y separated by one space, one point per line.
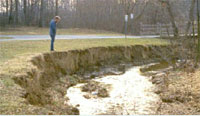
53 30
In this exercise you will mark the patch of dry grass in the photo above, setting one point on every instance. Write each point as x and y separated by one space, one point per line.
183 94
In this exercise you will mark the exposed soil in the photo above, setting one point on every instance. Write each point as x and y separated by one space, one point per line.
48 68
178 90
94 87
182 95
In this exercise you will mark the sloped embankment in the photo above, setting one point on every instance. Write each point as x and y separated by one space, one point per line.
54 72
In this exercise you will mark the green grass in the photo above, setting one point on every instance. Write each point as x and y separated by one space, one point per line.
45 31
6 38
12 49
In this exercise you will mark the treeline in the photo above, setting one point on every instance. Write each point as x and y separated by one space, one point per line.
96 14
27 12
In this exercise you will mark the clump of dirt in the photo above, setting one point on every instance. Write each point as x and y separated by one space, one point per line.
90 87
96 88
102 92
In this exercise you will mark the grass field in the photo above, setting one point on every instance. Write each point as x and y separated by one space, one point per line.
45 31
9 50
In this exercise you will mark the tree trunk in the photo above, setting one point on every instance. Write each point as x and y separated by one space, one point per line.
16 11
175 29
198 28
7 8
191 17
56 8
11 11
41 14
25 12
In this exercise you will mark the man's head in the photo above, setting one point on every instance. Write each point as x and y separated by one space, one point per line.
57 19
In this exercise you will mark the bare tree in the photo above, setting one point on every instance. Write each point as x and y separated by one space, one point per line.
11 12
25 12
191 17
16 11
169 9
7 6
41 24
198 28
56 7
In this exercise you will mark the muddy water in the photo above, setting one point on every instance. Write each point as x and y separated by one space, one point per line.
129 94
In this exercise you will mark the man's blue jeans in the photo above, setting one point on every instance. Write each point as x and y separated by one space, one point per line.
52 42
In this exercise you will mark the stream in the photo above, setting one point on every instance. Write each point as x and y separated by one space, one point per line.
130 93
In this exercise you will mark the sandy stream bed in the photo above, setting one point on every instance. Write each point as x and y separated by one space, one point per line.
130 94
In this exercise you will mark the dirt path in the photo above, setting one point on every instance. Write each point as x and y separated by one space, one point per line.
130 93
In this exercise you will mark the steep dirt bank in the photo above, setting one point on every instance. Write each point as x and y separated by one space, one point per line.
52 73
